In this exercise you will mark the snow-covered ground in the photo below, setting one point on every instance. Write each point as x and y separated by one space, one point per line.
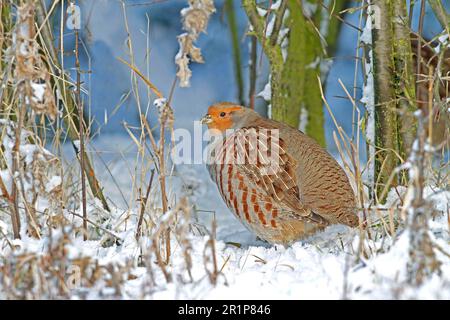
324 266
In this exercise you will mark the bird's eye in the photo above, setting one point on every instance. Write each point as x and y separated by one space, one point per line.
222 114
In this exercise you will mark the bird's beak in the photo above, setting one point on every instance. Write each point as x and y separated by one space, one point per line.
206 119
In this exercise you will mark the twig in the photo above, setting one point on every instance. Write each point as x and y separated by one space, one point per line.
147 82
337 16
6 238
253 61
143 205
4 191
419 45
81 134
95 224
162 182
15 166
214 274
278 22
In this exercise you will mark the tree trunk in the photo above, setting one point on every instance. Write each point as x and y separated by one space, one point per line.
405 86
394 90
297 101
295 92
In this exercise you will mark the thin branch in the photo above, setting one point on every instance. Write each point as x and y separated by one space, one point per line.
253 73
256 20
81 134
143 205
95 225
278 22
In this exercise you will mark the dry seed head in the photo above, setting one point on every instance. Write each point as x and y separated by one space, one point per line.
30 73
195 20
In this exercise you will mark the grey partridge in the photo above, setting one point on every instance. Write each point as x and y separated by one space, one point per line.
280 183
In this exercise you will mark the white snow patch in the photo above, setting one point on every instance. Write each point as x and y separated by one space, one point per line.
3 228
368 96
443 42
38 91
303 121
283 40
266 93
269 27
309 9
261 12
325 19
53 183
276 5
160 104
313 64
76 144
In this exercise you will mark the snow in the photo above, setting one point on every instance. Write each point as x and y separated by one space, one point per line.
261 12
313 64
269 27
368 96
53 183
303 121
160 102
325 19
309 8
443 41
324 266
76 143
3 228
266 93
38 91
283 40
276 5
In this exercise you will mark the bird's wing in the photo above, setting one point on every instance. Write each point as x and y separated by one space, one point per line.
324 185
261 157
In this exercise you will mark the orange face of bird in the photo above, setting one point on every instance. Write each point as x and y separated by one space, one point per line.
220 117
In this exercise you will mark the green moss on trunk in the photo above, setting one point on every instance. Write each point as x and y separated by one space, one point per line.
294 82
394 91
299 85
405 86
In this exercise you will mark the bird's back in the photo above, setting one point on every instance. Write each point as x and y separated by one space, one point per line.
323 184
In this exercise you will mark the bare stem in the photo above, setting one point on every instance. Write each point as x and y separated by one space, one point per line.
143 205
253 74
81 134
15 217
